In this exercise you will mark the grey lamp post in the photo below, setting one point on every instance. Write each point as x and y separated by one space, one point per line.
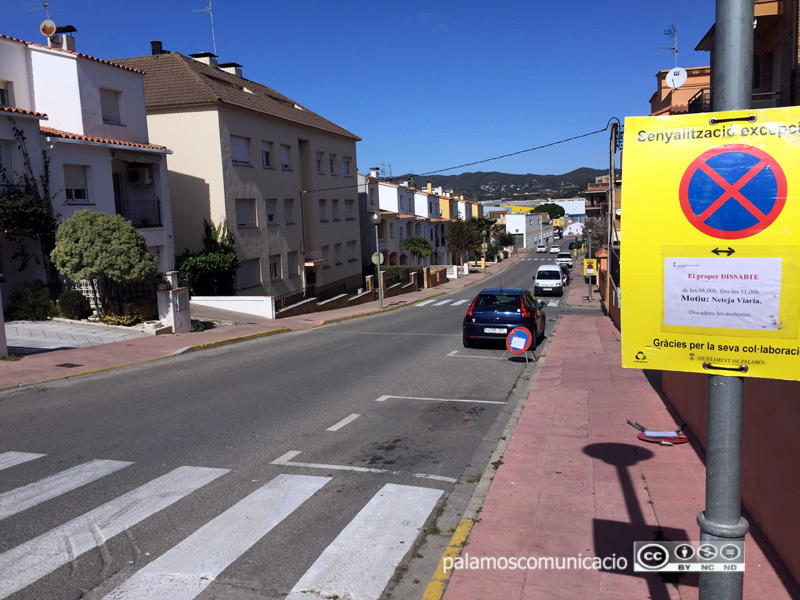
376 220
588 230
516 241
484 246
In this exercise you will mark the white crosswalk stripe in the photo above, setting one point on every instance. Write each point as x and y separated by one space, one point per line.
186 570
51 487
10 459
459 302
383 531
442 302
424 302
34 559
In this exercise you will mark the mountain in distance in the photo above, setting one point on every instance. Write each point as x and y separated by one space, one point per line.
494 185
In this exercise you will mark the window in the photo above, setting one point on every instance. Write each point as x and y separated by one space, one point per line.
322 214
320 158
75 183
285 157
271 204
249 274
240 150
391 230
334 210
292 264
109 106
326 250
351 251
245 212
346 166
275 267
288 210
266 154
5 93
348 209
332 164
337 254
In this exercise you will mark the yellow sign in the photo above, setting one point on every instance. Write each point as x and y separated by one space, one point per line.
711 269
589 267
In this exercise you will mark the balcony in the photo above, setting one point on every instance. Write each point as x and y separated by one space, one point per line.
143 214
701 101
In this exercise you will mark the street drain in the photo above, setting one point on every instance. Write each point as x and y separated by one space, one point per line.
69 365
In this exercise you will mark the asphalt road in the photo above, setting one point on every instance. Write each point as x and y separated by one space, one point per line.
305 461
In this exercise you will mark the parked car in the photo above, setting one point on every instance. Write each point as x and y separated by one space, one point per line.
541 248
564 258
548 280
496 311
572 245
565 274
555 249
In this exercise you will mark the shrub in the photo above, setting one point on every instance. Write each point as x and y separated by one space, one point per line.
144 309
126 320
29 302
73 305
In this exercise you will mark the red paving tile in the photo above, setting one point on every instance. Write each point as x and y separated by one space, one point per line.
598 484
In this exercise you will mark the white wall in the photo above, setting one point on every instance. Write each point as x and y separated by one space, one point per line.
56 89
14 67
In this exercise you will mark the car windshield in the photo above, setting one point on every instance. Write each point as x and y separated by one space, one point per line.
564 255
499 302
549 274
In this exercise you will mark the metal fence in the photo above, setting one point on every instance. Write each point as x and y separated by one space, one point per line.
320 292
613 265
142 213
115 292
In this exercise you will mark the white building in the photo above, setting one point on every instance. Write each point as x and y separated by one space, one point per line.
528 229
88 116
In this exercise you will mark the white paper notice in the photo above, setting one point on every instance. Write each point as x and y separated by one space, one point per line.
731 293
517 342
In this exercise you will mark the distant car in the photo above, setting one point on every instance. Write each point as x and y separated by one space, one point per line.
555 249
572 245
564 258
566 274
496 311
541 248
548 280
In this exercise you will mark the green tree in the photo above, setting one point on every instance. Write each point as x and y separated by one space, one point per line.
505 239
554 210
212 271
26 212
479 225
461 238
419 247
102 248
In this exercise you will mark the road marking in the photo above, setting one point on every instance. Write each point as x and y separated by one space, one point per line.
34 559
384 398
460 302
25 497
10 459
442 302
552 303
286 460
343 422
383 531
424 302
457 355
183 572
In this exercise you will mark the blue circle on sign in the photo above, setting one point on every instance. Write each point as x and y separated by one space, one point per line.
733 192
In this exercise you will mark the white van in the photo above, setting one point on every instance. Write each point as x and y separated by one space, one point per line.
548 280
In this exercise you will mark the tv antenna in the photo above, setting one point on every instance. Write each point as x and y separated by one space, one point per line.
672 33
210 12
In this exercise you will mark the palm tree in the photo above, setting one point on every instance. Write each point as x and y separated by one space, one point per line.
418 247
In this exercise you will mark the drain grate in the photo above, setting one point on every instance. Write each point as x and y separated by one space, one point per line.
69 365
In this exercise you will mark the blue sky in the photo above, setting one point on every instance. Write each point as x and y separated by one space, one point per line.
426 85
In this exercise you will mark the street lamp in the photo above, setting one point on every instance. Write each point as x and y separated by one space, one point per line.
516 242
376 220
484 246
588 230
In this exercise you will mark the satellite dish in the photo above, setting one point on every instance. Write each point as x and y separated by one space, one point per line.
676 77
47 28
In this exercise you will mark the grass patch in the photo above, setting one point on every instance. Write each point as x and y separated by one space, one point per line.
474 479
10 358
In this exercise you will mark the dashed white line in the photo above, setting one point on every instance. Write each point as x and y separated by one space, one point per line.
384 398
343 422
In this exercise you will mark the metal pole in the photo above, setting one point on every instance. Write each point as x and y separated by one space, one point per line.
378 264
589 255
731 85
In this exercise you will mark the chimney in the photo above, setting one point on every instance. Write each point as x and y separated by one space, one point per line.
61 40
207 58
430 187
232 68
157 48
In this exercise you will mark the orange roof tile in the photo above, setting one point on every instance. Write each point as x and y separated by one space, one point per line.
86 56
21 111
88 138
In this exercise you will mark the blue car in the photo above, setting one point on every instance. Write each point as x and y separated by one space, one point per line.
496 311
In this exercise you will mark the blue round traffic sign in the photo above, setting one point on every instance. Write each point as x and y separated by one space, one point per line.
518 340
733 192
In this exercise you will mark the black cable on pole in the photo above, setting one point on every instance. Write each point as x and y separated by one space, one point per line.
485 160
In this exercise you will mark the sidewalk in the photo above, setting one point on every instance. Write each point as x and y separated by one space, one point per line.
94 359
575 481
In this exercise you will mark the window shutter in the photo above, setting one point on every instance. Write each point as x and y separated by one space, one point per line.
244 213
109 105
74 177
240 153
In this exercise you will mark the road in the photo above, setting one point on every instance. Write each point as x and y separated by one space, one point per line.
306 461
